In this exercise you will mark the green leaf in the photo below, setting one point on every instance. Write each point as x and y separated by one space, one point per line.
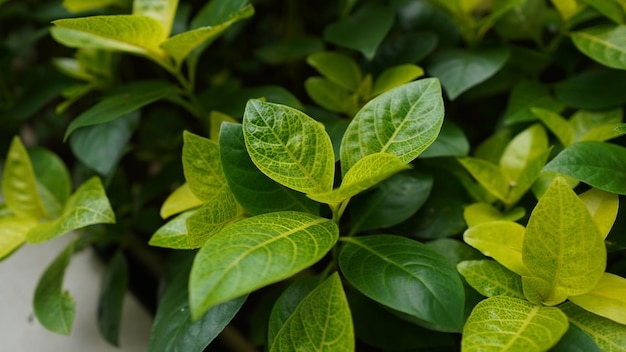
161 10
102 146
111 302
87 206
289 147
510 324
19 185
202 167
491 279
454 250
525 21
396 76
181 45
331 96
366 173
216 119
256 192
526 95
337 68
53 180
363 31
460 70
576 340
55 308
606 299
391 202
216 12
603 207
562 246
585 121
451 141
321 322
13 232
130 33
76 6
604 44
609 335
601 165
478 213
608 85
561 128
488 175
174 234
173 329
180 200
501 240
127 99
609 8
254 252
408 48
211 217
407 276
403 121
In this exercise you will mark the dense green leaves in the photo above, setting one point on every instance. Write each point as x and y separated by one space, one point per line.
321 322
605 44
255 252
601 165
407 276
403 121
289 147
54 307
510 324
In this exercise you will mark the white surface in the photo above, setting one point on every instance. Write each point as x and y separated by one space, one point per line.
19 329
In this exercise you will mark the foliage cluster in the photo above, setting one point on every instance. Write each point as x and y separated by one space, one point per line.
385 175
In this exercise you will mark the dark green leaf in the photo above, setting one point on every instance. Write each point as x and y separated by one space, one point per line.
525 21
450 142
460 70
407 276
111 302
601 165
216 12
289 50
53 180
576 340
363 31
256 192
54 307
607 334
407 49
455 250
606 94
526 95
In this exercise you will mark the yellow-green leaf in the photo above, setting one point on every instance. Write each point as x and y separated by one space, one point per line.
366 173
396 76
488 175
202 166
13 232
522 150
607 298
501 240
216 213
321 322
76 6
478 213
490 278
561 128
174 233
337 68
510 324
562 244
603 207
567 8
161 10
289 147
19 185
88 205
180 200
605 44
254 252
609 335
130 33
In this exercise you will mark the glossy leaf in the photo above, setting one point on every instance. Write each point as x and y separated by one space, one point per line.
403 121
111 301
88 205
180 200
396 76
255 252
161 10
19 186
391 202
127 99
289 147
366 173
321 322
609 335
601 165
13 232
603 207
174 234
488 175
364 30
337 68
461 70
130 33
510 324
173 329
331 96
256 192
606 299
202 167
605 44
102 146
491 278
55 308
501 240
561 128
407 276
181 45
562 246
53 180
